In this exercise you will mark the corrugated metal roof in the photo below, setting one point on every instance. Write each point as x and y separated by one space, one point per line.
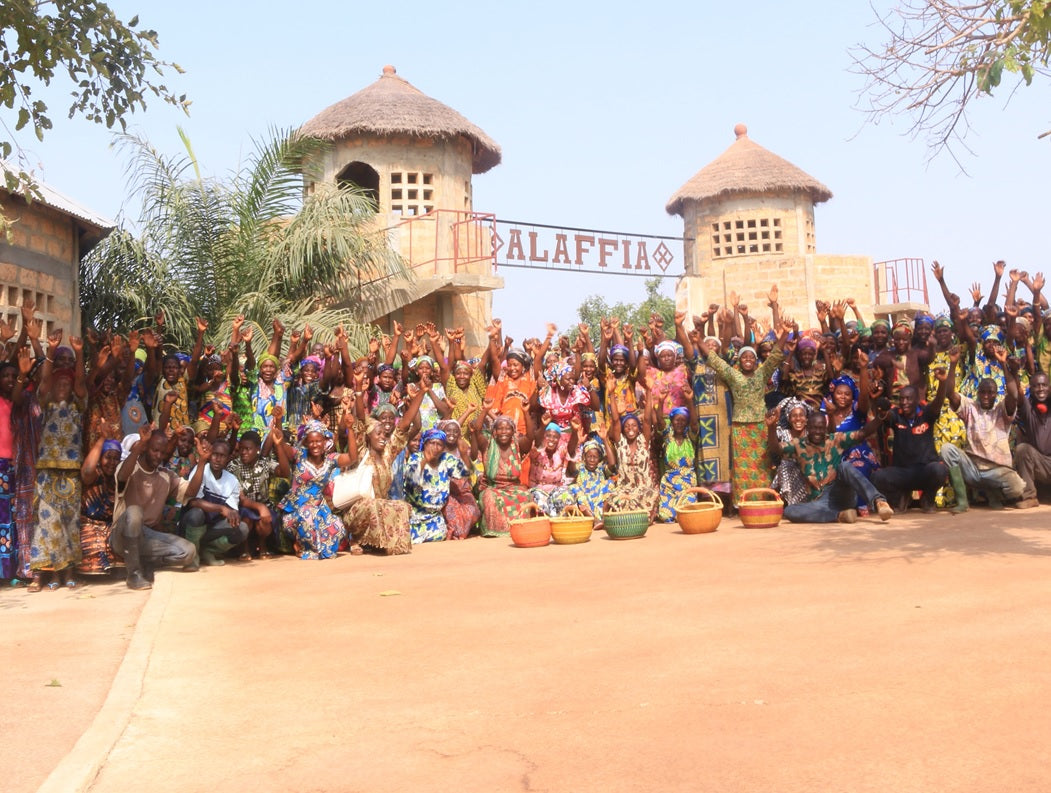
56 200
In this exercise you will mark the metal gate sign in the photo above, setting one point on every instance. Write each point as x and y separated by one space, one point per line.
539 246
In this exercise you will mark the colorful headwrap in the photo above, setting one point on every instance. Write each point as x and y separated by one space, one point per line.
421 359
619 349
923 319
140 355
844 380
556 371
446 425
592 443
311 427
182 357
268 357
992 333
903 326
678 411
743 350
518 354
383 367
629 417
552 426
769 338
213 358
386 407
502 418
462 364
666 346
589 356
311 360
807 343
433 434
1025 322
112 446
942 321
786 406
880 323
718 343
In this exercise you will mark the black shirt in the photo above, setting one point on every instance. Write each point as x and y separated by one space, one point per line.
914 438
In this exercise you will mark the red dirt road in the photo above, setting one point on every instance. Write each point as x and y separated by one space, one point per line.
910 656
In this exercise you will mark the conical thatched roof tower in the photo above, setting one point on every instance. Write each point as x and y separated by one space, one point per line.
749 223
416 157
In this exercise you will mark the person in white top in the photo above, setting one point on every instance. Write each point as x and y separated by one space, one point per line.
212 521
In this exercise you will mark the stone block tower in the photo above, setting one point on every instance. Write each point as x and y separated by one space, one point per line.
415 156
749 223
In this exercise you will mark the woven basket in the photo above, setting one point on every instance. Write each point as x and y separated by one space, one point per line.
533 532
702 517
760 513
573 527
626 525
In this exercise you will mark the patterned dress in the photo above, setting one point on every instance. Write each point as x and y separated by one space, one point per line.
427 491
679 473
28 421
501 495
96 519
462 398
668 389
591 489
315 530
180 412
56 533
711 404
636 483
622 395
380 523
547 479
949 428
429 415
461 510
788 479
563 407
748 430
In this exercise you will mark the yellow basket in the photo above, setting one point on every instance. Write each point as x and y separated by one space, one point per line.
759 513
572 530
701 517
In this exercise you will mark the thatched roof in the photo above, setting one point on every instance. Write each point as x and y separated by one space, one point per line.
746 168
394 106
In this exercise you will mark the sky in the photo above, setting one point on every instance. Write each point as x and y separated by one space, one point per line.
602 110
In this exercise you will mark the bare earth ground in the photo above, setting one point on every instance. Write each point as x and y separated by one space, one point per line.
911 656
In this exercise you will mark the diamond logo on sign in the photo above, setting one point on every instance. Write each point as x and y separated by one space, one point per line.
498 242
663 256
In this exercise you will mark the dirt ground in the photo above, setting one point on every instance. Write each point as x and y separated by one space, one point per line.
908 656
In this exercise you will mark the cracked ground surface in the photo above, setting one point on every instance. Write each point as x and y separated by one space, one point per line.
908 656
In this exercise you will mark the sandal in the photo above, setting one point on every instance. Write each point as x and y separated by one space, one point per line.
71 584
52 585
245 557
356 550
265 555
34 585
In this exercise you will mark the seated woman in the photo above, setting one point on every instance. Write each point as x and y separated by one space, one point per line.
461 510
428 476
679 443
636 482
97 476
315 530
548 466
785 423
502 496
381 522
592 484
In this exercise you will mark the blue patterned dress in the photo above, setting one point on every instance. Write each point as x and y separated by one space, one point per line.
427 491
679 473
591 488
315 530
56 505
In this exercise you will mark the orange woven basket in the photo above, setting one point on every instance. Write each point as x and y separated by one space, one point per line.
533 532
760 513
701 517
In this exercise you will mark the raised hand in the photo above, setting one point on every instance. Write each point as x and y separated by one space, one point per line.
955 353
247 333
551 329
158 318
680 317
998 267
171 397
28 307
278 326
1038 282
202 324
308 333
77 344
34 328
295 337
976 292
1015 275
771 296
937 271
238 321
7 330
773 417
25 363
54 338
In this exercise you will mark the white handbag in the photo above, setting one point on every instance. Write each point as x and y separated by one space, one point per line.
351 485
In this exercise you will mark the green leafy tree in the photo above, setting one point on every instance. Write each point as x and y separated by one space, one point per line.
248 244
109 65
595 308
938 56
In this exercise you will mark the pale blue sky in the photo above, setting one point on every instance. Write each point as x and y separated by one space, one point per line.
602 110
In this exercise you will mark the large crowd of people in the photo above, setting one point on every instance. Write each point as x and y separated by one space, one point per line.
119 450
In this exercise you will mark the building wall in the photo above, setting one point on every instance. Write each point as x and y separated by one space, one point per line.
40 262
764 226
800 280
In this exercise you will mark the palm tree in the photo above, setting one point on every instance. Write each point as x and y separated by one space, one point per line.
250 244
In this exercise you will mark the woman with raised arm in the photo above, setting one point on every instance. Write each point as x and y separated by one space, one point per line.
501 496
56 507
99 489
636 487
